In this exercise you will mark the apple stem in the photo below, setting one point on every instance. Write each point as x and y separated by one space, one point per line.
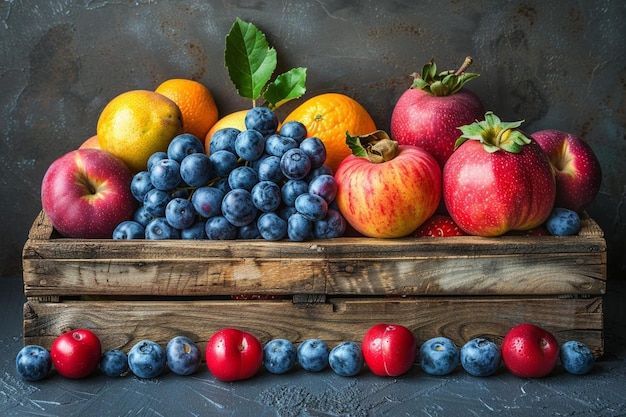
465 65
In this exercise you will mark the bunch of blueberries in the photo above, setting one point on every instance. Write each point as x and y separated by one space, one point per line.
260 182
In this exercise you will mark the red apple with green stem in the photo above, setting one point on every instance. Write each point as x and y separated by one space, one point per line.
497 179
577 169
429 113
86 194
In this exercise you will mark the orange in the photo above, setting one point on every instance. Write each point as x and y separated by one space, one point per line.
136 124
236 120
328 116
195 102
90 143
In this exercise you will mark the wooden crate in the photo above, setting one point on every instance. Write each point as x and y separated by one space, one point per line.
335 289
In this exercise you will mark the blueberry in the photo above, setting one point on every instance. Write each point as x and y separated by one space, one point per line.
346 359
249 231
129 229
250 145
313 355
277 145
439 356
114 363
315 150
563 222
196 169
325 186
155 202
261 119
180 213
271 226
576 357
480 357
159 229
183 145
142 216
243 177
194 232
218 228
269 169
223 162
140 185
291 190
279 356
238 208
33 363
266 196
294 129
295 164
165 174
331 226
224 140
183 356
316 172
146 359
312 206
207 201
154 158
299 228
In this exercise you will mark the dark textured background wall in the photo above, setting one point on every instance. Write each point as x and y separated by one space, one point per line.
556 64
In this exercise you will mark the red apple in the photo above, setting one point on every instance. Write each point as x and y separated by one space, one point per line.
498 181
86 194
392 198
577 169
529 351
429 113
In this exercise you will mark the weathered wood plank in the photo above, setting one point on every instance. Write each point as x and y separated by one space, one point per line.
560 273
121 324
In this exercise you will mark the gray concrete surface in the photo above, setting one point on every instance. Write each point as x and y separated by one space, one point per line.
602 392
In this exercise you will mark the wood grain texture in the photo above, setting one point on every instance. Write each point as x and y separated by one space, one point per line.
507 265
121 324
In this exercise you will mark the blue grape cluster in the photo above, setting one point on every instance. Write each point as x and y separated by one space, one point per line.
258 183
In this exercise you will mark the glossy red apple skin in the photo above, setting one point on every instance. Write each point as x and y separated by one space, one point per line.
577 169
530 351
86 194
489 194
431 122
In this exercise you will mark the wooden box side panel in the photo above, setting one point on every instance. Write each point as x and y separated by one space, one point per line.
121 324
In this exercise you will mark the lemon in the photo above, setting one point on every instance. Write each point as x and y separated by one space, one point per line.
136 124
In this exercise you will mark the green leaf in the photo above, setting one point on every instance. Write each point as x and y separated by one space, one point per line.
354 143
287 86
249 59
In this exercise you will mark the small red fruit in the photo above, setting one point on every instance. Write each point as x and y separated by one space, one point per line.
389 349
429 113
530 351
233 355
439 226
76 354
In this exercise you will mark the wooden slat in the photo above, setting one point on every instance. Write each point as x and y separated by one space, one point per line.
560 273
121 324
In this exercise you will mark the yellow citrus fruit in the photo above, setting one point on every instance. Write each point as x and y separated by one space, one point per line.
136 124
236 120
195 102
328 116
